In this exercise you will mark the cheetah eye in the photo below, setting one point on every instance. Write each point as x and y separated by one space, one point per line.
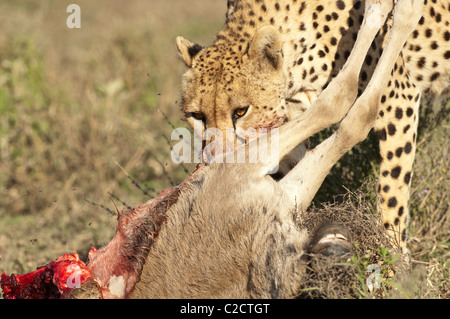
240 112
196 115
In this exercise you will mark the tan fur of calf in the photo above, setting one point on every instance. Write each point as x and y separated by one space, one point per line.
214 246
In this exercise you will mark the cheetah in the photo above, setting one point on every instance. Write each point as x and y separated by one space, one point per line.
273 58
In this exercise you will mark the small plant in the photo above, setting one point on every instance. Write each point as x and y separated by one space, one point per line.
374 273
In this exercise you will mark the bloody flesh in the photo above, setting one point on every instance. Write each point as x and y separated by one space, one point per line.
51 281
121 261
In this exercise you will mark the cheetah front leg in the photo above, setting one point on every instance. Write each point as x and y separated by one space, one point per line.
396 129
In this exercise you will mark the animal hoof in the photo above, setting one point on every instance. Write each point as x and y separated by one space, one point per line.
331 240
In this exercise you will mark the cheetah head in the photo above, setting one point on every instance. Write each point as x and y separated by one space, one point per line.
234 85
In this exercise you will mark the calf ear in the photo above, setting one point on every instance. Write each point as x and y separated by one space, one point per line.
187 50
266 47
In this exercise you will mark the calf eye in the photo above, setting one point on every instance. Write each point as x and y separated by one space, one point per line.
240 112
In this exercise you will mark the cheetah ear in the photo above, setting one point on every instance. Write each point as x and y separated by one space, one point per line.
187 50
266 47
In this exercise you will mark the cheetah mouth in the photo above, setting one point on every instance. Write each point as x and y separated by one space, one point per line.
262 129
275 124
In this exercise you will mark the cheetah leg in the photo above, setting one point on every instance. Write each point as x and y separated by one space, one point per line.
396 128
309 174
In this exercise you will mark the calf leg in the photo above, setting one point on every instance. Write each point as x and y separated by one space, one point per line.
335 101
309 174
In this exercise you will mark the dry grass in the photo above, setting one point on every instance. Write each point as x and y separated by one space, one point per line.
80 124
